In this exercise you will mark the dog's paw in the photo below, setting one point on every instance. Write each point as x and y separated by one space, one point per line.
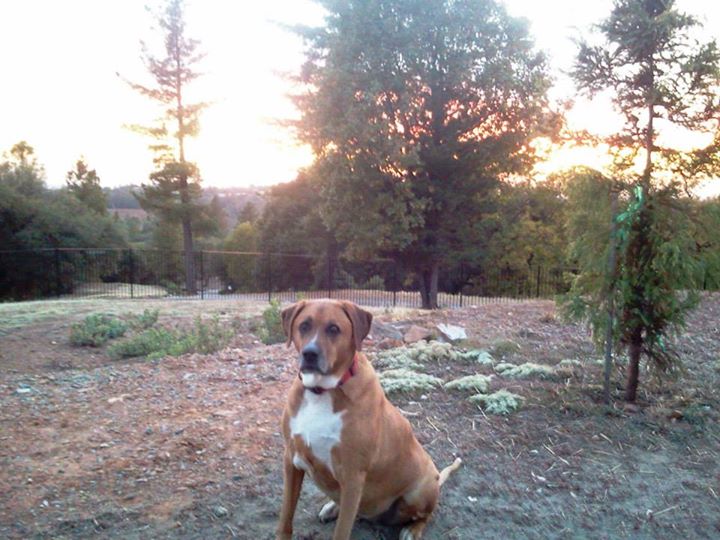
328 512
406 534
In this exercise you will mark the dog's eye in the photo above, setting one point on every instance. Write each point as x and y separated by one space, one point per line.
333 330
304 327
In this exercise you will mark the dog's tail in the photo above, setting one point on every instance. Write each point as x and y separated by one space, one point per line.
447 471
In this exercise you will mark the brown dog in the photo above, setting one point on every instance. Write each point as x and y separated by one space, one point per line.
340 429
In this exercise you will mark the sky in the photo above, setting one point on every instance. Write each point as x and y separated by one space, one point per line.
61 92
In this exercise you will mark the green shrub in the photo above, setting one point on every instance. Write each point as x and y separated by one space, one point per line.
271 330
407 380
156 343
505 348
500 402
472 383
375 283
96 330
146 320
525 371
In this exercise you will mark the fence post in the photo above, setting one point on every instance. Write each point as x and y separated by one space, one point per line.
395 283
202 277
537 283
329 274
462 281
58 283
132 273
269 277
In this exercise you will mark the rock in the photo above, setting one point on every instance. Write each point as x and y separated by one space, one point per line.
416 333
220 511
451 332
381 331
389 343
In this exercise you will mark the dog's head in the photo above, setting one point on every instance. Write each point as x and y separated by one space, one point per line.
326 334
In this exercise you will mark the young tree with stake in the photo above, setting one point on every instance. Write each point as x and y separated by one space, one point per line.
661 80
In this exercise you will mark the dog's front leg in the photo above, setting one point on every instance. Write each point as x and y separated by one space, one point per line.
351 491
293 479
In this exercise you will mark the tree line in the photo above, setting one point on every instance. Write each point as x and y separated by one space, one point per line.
422 116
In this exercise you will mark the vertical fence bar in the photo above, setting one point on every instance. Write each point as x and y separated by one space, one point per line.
269 277
329 274
537 282
131 265
57 272
462 282
202 277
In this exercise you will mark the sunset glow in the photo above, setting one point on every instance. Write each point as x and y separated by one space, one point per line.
63 95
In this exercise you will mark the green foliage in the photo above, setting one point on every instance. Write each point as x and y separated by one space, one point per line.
33 217
528 228
407 381
470 383
240 270
504 348
272 330
526 371
84 184
96 330
155 343
659 78
145 320
416 110
500 402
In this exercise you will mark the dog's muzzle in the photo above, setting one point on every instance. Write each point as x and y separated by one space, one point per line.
312 360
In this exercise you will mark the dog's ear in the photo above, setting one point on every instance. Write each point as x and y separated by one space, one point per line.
288 316
361 321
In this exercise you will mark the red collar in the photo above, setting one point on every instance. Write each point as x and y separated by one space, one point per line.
345 378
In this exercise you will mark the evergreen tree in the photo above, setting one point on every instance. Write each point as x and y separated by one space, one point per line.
174 189
84 184
415 110
660 78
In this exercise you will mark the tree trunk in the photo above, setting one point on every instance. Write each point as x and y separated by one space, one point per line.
429 286
633 376
190 286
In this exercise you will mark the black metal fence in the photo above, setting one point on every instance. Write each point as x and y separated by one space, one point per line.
132 273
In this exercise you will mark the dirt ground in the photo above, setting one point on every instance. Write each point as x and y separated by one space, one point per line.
189 447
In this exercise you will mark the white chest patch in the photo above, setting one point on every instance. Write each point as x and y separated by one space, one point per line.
318 426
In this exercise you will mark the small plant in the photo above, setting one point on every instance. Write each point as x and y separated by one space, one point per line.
471 383
149 342
146 320
525 371
271 330
504 348
407 380
96 330
375 283
500 402
156 343
482 357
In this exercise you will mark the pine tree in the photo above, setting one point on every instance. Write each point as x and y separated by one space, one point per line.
84 184
174 190
660 79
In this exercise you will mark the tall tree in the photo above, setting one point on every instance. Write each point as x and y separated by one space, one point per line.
661 79
415 110
174 190
84 184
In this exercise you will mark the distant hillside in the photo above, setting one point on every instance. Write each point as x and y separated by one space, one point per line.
232 200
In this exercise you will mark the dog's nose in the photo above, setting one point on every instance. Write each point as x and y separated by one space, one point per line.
310 358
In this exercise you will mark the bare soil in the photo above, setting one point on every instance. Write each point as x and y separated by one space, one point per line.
189 447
